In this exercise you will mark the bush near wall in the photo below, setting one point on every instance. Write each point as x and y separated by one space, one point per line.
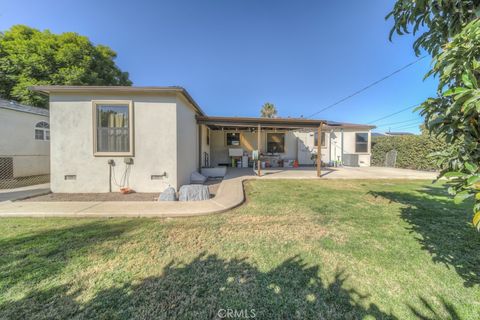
412 151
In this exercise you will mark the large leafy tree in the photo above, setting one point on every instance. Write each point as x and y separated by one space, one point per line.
450 32
32 57
268 110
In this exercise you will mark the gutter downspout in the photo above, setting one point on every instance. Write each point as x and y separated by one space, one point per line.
330 146
341 130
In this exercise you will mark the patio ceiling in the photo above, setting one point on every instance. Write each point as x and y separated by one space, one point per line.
225 123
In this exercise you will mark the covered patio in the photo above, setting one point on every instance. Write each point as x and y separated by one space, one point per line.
263 144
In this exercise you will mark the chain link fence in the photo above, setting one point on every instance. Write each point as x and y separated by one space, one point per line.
18 171
391 158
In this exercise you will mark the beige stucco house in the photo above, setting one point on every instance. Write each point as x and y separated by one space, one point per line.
25 141
152 137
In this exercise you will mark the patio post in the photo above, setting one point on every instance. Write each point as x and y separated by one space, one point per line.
259 163
200 148
319 151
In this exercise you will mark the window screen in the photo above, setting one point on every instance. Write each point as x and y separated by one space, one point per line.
275 142
233 138
113 132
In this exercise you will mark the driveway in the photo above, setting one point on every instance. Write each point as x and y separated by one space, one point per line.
24 192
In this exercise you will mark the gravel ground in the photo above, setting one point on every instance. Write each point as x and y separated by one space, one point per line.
114 196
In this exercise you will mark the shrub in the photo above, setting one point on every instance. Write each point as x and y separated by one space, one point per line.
413 152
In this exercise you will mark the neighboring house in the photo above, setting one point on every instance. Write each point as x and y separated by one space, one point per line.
152 137
393 134
24 143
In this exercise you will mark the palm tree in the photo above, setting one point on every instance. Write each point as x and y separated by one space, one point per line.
268 111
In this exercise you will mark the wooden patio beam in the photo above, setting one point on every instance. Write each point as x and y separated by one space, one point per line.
259 163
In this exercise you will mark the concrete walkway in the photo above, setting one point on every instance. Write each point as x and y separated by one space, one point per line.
24 192
229 195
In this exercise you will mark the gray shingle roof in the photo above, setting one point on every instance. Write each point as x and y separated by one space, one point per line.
12 105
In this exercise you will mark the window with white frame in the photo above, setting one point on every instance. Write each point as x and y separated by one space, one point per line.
42 131
113 128
361 142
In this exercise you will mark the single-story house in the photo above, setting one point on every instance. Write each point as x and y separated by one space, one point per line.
25 142
154 137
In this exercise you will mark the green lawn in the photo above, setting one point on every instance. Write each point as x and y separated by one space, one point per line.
295 250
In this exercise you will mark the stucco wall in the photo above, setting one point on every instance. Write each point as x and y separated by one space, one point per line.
333 145
30 156
187 143
155 144
307 147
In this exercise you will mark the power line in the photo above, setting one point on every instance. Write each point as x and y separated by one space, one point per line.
367 87
389 124
395 113
408 125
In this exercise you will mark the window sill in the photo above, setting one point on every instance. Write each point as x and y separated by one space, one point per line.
113 154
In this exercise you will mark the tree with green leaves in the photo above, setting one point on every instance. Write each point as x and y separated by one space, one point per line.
32 57
268 110
451 34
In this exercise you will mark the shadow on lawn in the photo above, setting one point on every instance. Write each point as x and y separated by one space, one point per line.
198 290
444 229
446 311
33 258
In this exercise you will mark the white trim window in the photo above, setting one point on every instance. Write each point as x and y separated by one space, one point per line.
113 128
361 142
42 131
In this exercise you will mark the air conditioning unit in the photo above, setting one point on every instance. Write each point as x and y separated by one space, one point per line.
350 160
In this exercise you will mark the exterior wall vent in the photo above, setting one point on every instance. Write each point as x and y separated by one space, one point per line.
158 176
70 177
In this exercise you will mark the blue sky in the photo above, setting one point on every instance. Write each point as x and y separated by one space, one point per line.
234 55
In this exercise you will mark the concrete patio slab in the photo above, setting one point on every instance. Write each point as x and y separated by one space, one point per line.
230 194
349 173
